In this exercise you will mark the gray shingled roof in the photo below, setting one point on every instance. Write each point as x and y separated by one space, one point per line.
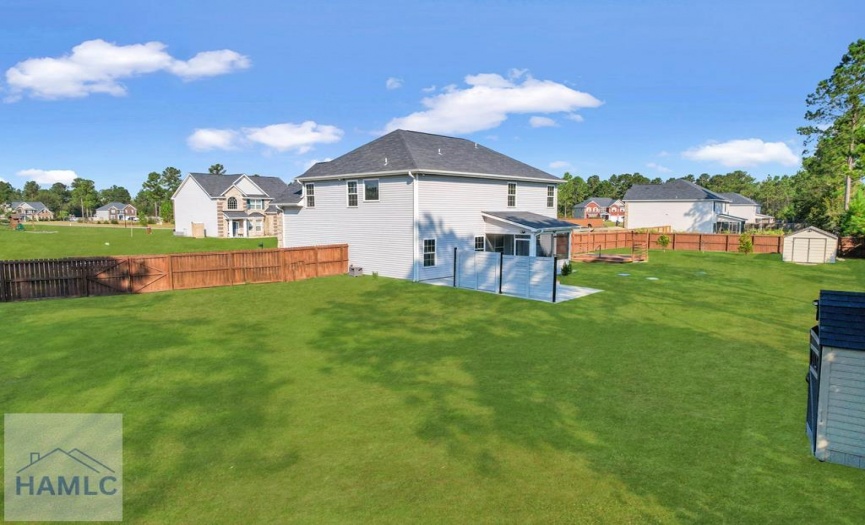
842 316
36 205
529 220
414 151
118 205
676 190
292 194
738 198
215 185
603 202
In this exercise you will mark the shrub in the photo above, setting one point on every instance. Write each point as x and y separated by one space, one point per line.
114 221
746 245
663 241
567 268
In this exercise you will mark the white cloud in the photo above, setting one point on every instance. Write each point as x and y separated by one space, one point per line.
542 122
560 164
576 117
663 153
393 83
300 138
97 66
429 89
49 176
488 101
744 153
658 167
204 139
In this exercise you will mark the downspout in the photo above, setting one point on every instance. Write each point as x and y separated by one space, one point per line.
415 232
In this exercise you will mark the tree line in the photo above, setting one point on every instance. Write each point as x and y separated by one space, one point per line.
81 198
826 192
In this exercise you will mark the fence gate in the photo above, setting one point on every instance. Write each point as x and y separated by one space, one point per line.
516 275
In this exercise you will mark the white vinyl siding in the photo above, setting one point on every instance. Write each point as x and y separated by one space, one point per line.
450 212
681 216
192 204
379 237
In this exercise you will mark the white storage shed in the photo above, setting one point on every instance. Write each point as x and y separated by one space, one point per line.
810 246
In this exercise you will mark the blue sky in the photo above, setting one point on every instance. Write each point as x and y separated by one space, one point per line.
111 91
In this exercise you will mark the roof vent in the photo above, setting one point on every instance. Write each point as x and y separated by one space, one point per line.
476 145
385 161
440 151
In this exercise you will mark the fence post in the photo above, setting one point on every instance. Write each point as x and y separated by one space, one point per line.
129 288
455 266
171 272
555 272
316 261
501 269
3 285
674 242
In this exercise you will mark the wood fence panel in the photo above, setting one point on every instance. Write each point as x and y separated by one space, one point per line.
710 242
86 276
851 247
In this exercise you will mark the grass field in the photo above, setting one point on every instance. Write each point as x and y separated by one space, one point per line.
674 400
41 241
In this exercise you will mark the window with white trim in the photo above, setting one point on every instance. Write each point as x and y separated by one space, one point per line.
255 204
551 196
370 190
310 195
429 252
232 203
479 243
351 191
512 194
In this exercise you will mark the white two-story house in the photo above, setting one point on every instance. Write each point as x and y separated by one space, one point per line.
227 205
680 204
405 201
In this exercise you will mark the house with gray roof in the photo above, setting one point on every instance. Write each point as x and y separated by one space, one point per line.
682 205
227 205
747 208
116 211
32 211
407 200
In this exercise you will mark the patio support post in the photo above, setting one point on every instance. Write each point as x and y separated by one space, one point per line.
555 272
501 269
455 266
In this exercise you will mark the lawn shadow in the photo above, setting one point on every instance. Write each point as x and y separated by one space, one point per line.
652 411
194 392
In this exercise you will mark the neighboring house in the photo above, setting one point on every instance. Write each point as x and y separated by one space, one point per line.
405 201
601 208
682 205
748 209
116 211
32 211
228 205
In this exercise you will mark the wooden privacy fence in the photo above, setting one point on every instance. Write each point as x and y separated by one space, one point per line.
707 242
86 276
851 247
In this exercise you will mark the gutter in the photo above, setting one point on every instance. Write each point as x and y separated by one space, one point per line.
415 232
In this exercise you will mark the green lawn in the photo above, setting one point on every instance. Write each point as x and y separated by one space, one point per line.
374 400
41 241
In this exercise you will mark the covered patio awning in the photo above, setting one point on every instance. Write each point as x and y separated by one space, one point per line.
528 222
723 217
